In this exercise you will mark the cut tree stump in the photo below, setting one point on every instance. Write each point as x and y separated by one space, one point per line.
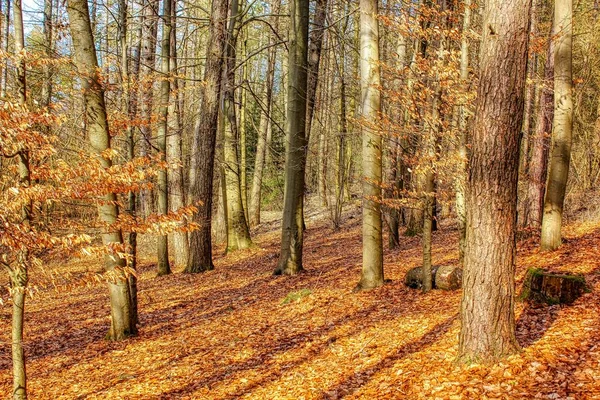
546 287
447 277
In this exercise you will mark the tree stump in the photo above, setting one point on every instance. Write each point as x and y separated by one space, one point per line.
445 277
545 287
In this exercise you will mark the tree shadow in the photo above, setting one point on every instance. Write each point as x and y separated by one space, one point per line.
354 382
534 321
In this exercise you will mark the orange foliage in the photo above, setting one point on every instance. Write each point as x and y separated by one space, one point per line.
228 333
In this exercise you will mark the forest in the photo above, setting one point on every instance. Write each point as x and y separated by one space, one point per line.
300 199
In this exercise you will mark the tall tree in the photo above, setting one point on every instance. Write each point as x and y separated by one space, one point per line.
560 154
262 146
487 306
292 235
175 149
122 312
19 274
370 81
538 166
460 181
146 92
238 234
164 268
203 147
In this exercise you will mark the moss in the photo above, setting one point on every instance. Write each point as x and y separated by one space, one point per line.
293 297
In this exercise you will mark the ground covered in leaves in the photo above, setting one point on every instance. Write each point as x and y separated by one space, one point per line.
240 332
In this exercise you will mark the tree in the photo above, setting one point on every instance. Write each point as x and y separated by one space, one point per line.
19 273
123 318
538 165
370 80
203 148
292 235
164 268
560 154
487 307
238 234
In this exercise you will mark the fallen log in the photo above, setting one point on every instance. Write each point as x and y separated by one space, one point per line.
546 287
446 277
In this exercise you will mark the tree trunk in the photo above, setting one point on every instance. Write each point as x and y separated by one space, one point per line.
292 235
149 35
130 102
175 152
203 148
164 267
538 168
487 307
261 147
370 80
5 48
560 155
238 235
315 44
48 50
460 181
122 314
19 273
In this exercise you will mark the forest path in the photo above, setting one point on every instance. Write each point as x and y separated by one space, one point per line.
230 333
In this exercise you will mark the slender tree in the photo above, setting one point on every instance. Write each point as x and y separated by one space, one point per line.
164 267
203 147
370 81
487 306
292 235
238 234
122 313
560 154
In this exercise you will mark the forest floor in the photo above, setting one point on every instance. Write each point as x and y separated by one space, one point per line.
240 332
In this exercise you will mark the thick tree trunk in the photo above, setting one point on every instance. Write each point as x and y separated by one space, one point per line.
370 80
538 168
261 147
487 307
203 148
292 235
175 154
163 266
560 155
48 52
122 313
238 234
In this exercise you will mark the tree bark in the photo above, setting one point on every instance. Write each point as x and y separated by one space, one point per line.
560 155
292 235
203 148
370 81
122 314
487 306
